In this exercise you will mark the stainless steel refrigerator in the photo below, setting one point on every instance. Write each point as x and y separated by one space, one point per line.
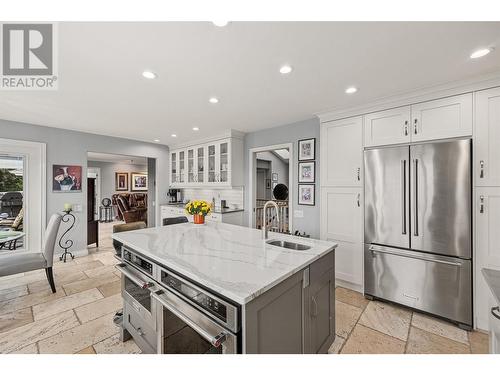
418 227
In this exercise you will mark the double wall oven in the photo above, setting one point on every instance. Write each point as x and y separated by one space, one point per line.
167 313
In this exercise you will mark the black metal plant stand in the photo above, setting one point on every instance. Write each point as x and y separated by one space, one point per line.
69 242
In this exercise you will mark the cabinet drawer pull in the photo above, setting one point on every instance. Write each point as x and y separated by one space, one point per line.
481 166
358 200
406 127
481 205
415 126
359 174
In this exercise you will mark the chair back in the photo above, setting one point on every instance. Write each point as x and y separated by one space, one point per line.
175 220
122 204
49 243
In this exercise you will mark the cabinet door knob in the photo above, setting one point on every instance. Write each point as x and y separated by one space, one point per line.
481 166
481 205
415 126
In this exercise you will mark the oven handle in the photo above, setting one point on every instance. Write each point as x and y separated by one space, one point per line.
216 341
132 276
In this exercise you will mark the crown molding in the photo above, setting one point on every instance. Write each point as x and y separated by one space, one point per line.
231 133
417 96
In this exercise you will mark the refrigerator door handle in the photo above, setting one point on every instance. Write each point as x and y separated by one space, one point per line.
415 197
403 196
377 249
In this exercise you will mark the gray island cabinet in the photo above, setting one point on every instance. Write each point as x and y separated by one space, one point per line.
221 288
295 316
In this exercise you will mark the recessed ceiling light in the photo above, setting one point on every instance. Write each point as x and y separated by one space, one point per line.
351 90
196 129
148 74
220 23
173 135
480 53
213 100
285 69
157 140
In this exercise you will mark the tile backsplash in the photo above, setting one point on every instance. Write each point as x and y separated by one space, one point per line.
232 196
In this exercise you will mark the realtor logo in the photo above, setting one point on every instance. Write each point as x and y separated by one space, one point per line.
28 56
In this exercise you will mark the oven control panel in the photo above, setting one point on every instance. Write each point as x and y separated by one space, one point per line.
137 261
213 305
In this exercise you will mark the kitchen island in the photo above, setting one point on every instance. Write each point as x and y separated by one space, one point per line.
261 298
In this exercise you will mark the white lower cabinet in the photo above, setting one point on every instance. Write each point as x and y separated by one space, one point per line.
487 248
341 222
235 218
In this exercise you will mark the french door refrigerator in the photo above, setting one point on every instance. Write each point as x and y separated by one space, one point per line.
418 227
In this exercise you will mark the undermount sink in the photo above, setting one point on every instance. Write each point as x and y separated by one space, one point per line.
289 245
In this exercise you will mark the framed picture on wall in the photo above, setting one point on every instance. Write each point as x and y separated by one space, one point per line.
307 172
121 181
275 177
307 149
306 195
139 181
66 178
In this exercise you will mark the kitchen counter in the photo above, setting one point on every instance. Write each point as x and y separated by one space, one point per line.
492 278
226 210
231 260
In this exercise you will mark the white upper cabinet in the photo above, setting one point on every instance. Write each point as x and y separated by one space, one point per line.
217 163
487 136
341 152
387 127
443 118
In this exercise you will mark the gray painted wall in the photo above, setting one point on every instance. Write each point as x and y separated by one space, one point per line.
290 133
277 166
71 147
108 171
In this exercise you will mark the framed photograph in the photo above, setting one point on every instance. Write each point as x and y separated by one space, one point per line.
307 149
121 181
138 182
306 195
66 178
307 172
268 183
275 177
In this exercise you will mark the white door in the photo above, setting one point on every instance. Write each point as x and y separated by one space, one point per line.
487 247
442 118
341 222
487 136
341 152
387 127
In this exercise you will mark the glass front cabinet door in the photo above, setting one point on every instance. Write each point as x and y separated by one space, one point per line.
223 162
173 168
190 166
182 166
212 172
200 165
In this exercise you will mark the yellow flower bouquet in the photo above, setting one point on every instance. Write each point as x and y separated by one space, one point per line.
199 209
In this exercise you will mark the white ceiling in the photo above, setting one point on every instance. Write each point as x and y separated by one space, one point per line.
115 158
101 89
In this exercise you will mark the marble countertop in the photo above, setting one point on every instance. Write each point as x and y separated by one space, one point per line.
232 260
225 210
492 278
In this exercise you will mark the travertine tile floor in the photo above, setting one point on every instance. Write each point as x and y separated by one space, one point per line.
374 327
78 318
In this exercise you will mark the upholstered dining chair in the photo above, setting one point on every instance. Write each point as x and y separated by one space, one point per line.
24 261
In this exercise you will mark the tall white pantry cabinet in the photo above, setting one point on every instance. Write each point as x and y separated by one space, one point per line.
474 114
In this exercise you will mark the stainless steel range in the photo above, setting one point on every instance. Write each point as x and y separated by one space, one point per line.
165 313
418 227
